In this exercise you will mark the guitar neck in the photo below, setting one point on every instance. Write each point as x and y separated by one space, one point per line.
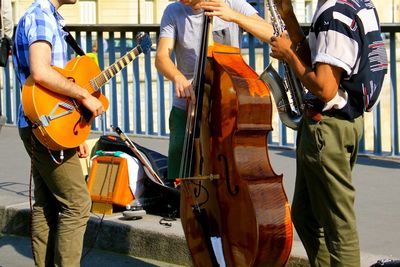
98 81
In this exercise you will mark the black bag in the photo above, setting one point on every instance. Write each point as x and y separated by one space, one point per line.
5 50
387 262
157 199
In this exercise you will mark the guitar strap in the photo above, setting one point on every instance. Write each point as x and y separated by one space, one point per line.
72 42
69 39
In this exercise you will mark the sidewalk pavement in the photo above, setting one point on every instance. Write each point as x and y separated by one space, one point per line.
377 206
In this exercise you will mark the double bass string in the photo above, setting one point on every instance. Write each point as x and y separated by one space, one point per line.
195 195
189 150
194 113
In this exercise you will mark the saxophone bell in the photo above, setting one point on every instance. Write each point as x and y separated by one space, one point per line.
288 91
288 114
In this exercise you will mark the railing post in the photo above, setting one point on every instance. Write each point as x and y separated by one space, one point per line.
124 88
282 127
136 99
377 130
17 87
394 99
161 103
252 52
148 95
113 82
7 93
100 58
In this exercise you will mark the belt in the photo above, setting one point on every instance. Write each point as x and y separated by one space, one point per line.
317 115
313 114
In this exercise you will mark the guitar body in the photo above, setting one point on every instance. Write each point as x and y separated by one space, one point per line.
60 120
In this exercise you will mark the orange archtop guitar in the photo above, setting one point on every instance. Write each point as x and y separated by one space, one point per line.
61 122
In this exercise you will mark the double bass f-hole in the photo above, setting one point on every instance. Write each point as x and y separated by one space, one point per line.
197 191
224 161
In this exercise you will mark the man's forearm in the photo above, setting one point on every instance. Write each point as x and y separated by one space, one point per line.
256 26
167 68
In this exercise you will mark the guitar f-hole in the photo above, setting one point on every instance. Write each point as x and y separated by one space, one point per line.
72 79
75 127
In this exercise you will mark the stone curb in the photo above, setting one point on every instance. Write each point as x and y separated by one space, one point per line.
144 238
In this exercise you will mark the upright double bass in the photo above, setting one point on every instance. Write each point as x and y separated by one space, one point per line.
234 210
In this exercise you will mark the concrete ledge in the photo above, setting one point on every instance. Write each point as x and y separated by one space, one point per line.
144 238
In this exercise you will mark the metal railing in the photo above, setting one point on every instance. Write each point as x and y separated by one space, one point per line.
140 98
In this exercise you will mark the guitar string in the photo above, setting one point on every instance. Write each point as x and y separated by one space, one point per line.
103 77
108 73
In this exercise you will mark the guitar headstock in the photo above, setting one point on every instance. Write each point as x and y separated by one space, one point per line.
144 41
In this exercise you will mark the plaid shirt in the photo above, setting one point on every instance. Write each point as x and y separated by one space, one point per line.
41 22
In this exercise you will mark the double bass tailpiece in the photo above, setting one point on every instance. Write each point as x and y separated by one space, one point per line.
202 177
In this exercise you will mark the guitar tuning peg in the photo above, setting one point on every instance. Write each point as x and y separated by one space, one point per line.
140 35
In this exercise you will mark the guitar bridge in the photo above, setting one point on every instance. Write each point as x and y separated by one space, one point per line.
45 120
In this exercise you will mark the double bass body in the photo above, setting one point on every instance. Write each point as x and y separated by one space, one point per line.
242 218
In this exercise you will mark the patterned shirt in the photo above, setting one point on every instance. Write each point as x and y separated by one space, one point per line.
41 22
346 34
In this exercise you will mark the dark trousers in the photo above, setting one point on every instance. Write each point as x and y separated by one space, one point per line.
177 126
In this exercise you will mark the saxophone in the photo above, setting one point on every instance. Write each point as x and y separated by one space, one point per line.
288 92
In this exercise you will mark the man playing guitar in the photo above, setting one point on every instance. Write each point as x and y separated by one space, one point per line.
62 201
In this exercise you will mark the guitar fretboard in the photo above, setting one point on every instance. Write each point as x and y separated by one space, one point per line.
98 81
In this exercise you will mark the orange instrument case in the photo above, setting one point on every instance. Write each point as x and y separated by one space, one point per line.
108 182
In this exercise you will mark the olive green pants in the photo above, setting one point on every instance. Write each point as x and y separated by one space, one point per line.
323 203
61 208
177 128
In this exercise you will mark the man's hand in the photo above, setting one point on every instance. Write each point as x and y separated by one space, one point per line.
281 47
93 104
184 88
83 150
218 8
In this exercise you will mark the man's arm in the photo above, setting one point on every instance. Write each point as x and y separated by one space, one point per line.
164 64
253 24
323 81
299 41
42 73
